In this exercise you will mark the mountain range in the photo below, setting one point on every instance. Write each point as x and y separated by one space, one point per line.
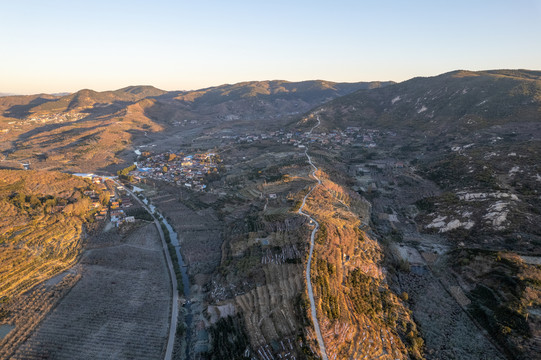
39 128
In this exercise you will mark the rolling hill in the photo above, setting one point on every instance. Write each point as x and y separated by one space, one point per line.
87 130
456 101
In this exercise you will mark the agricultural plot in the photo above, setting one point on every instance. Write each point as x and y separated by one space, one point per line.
199 231
41 230
25 312
119 309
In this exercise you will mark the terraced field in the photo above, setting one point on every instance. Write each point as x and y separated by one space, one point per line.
41 227
118 310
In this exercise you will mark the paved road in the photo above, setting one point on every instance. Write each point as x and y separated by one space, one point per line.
174 307
308 265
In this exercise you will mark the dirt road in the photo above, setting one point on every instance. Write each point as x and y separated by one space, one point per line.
309 263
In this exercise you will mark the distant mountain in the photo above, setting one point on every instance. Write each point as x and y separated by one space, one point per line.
6 94
19 105
455 101
258 97
315 90
86 98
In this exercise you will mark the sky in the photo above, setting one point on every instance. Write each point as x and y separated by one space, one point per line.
63 46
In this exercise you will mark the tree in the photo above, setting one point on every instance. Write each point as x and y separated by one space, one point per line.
104 198
34 201
404 296
18 200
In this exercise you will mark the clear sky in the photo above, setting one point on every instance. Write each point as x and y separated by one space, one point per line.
59 45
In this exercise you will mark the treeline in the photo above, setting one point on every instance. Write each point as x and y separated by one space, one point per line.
140 213
329 301
32 204
25 201
124 174
321 236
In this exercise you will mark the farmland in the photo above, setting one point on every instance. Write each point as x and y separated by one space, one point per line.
41 229
118 309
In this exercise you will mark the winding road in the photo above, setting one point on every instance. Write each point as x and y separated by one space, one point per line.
309 263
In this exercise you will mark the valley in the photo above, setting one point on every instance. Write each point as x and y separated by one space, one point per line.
314 220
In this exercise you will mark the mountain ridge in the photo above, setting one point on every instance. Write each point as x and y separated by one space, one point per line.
88 97
423 103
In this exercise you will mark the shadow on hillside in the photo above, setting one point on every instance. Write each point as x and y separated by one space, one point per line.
104 109
22 111
93 113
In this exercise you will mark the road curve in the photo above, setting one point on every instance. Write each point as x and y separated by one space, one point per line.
309 263
174 308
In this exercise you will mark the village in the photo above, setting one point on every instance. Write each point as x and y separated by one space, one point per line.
193 171
109 199
352 136
53 118
56 118
189 171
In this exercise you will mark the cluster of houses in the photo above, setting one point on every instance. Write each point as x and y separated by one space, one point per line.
116 204
43 119
118 208
182 170
56 118
351 136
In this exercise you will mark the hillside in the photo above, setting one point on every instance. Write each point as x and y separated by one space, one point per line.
450 166
247 249
80 100
459 101
41 226
429 237
468 132
309 91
